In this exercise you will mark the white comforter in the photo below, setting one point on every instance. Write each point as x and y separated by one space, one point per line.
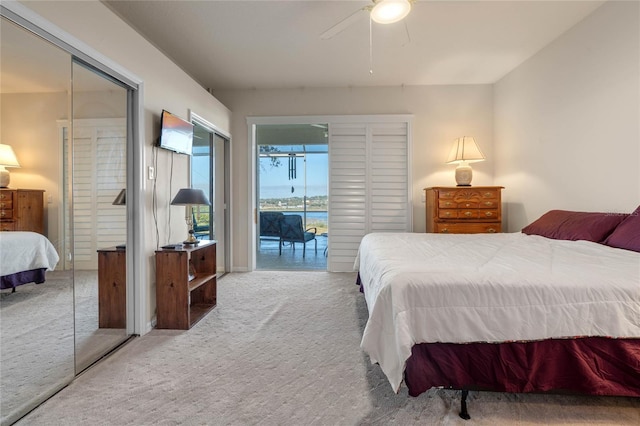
491 288
24 251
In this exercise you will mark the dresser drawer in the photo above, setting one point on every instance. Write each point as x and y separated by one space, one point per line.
6 196
6 214
6 204
7 226
467 228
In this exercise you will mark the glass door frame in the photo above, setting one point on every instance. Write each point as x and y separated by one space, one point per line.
226 195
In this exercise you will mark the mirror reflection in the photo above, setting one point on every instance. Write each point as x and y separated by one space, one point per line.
65 307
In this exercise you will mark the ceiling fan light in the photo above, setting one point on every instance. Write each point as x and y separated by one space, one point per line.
390 11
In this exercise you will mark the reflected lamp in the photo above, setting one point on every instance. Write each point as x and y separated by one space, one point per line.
190 197
7 159
464 151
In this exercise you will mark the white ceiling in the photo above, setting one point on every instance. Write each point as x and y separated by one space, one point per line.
276 44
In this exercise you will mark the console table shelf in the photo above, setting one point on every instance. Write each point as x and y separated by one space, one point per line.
180 301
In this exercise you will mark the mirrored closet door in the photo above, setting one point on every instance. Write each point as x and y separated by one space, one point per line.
68 126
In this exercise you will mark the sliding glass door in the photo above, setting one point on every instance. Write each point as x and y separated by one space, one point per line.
210 172
70 126
292 175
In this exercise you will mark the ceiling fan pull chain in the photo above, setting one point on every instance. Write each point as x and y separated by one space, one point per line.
370 46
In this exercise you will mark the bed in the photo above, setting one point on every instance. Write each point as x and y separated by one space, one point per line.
555 308
24 258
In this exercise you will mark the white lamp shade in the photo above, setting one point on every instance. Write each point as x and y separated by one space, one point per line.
390 11
8 157
465 149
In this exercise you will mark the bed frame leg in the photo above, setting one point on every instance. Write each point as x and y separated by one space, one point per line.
464 414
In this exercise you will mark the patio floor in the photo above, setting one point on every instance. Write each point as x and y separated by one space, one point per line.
268 258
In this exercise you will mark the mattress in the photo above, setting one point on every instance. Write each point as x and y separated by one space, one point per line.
25 251
430 288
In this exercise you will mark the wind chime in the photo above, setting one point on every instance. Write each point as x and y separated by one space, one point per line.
292 168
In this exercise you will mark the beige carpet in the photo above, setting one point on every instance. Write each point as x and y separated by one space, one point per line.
282 348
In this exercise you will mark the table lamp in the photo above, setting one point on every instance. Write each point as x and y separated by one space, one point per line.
465 150
7 159
121 200
190 197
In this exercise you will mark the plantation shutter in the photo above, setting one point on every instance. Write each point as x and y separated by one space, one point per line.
98 174
368 186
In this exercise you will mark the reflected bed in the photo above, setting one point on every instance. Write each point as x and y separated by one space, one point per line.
24 258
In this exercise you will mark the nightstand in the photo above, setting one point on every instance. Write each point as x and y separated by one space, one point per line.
464 210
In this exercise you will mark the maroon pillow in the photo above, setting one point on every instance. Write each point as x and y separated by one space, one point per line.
627 234
568 225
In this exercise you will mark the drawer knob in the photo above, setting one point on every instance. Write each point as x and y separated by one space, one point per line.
488 203
1 205
2 213
447 214
491 230
468 214
448 204
489 214
444 230
488 194
467 205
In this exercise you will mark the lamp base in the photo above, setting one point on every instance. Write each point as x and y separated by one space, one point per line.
191 240
464 174
4 177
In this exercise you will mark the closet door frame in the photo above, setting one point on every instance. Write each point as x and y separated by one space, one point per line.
136 271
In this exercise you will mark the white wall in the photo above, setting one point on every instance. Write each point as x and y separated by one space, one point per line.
166 86
567 121
441 114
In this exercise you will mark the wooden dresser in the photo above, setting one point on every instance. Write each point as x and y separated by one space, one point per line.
464 210
22 210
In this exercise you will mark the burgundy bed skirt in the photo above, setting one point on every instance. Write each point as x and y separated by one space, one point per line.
587 365
14 280
591 365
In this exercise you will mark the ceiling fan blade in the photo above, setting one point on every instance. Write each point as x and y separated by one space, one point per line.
344 24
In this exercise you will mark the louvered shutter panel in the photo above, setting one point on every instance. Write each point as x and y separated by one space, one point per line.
368 186
99 173
388 180
347 193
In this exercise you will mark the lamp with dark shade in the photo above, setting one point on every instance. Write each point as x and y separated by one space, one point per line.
190 197
464 150
121 200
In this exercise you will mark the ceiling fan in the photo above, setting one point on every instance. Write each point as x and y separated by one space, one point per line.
381 11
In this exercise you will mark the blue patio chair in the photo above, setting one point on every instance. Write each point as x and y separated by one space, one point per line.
270 225
291 231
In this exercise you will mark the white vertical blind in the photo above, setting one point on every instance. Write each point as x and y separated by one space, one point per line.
368 185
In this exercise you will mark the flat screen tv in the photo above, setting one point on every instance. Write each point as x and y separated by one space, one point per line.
176 134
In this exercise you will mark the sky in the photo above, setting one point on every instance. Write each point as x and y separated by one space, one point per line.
275 182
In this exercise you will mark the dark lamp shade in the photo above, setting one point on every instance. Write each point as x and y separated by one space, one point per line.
190 196
121 199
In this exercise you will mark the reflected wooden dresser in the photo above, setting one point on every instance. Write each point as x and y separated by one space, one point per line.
464 210
22 210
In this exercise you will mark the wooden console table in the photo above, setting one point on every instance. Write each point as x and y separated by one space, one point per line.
112 288
185 284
